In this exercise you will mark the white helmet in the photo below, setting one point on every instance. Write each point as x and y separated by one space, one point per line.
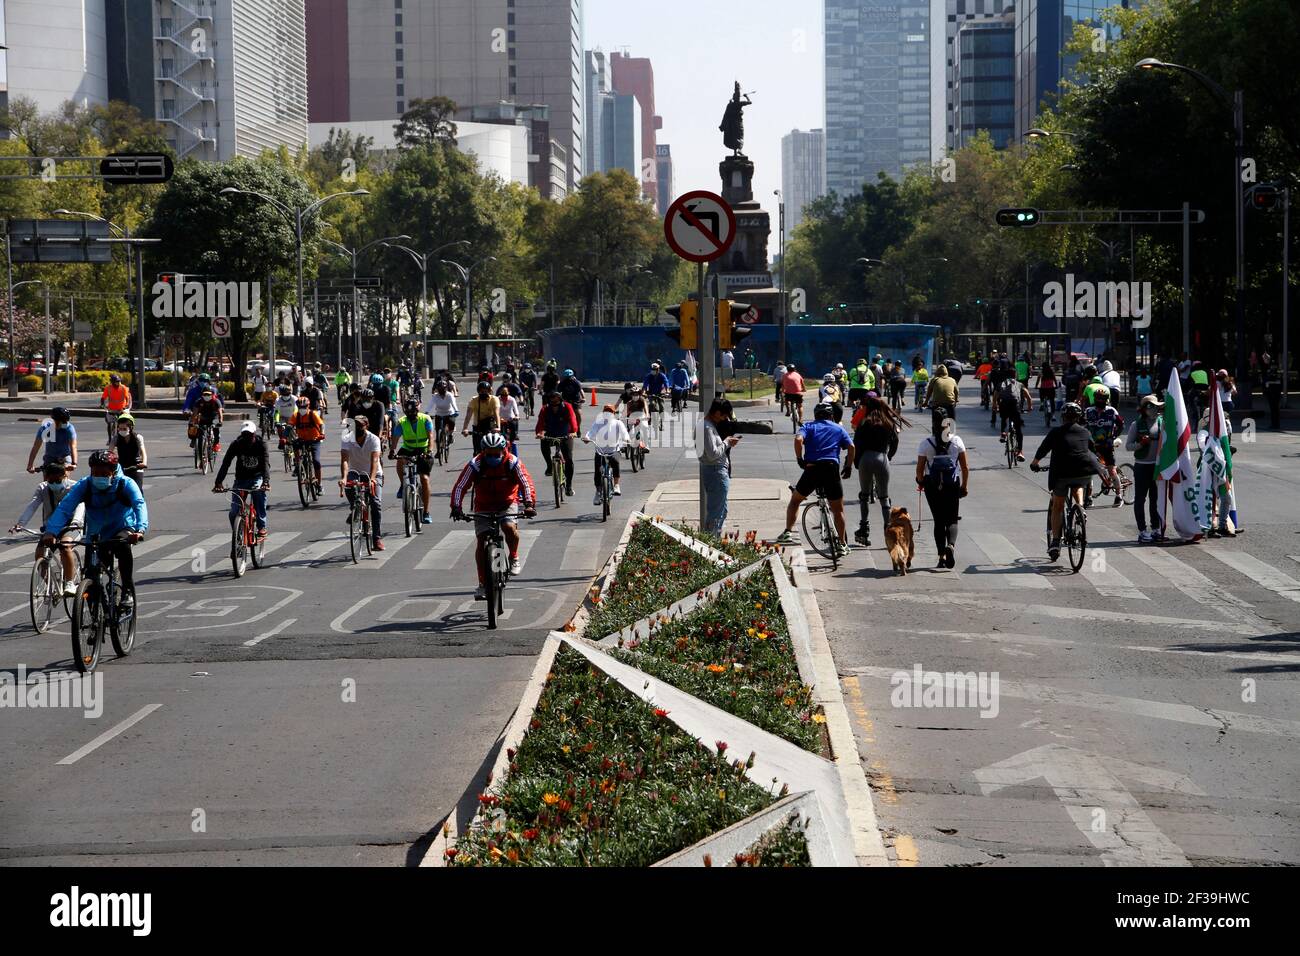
494 441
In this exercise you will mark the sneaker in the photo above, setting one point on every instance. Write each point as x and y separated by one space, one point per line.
568 493
70 588
1020 456
618 492
261 534
1118 501
548 471
516 567
127 600
598 499
379 545
1054 552
950 558
786 537
1144 537
426 520
480 594
862 538
1223 530
1002 439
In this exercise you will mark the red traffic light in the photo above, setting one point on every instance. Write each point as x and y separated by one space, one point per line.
1264 197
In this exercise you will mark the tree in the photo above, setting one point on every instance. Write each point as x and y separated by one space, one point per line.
342 157
427 122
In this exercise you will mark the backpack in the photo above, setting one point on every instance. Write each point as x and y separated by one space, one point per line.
943 467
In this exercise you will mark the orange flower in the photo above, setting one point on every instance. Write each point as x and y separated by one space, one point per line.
716 668
512 855
606 785
450 853
660 712
550 799
762 594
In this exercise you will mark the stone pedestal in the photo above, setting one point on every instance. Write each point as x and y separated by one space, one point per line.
745 264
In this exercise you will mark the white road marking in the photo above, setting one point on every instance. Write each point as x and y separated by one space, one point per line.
1110 582
582 553
1141 707
1260 656
16 607
391 546
317 549
1265 575
108 735
278 539
1198 587
527 538
1007 557
183 557
18 551
1086 786
446 554
271 633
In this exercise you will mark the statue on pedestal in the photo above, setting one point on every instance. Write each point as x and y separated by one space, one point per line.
733 122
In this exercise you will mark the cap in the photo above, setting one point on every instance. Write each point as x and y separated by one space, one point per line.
1151 400
248 428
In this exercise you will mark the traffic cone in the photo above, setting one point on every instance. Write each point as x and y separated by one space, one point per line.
593 396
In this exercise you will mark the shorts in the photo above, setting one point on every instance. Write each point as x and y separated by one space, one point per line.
311 447
482 525
423 460
824 475
794 397
1062 486
1106 453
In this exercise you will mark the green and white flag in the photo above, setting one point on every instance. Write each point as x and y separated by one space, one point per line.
1215 478
1177 480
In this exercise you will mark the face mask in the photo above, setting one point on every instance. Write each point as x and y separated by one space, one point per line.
366 404
124 432
492 462
102 484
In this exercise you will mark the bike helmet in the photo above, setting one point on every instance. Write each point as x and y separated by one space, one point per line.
207 390
654 366
103 458
1101 396
790 367
823 411
285 390
828 378
412 407
304 401
568 373
115 379
1071 410
528 366
494 441
60 414
204 377
126 417
367 394
551 365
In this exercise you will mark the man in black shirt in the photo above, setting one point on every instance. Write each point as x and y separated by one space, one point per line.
1074 462
550 380
252 473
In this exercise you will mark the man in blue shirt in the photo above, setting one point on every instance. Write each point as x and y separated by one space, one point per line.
196 391
59 438
817 449
655 384
680 381
116 516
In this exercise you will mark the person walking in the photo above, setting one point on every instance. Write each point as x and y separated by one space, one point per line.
715 472
943 474
875 442
1227 390
1143 440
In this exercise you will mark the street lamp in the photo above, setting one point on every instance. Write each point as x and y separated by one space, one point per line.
467 277
296 216
354 255
780 349
422 263
1038 132
1235 102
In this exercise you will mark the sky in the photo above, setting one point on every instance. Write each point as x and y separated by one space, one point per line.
699 49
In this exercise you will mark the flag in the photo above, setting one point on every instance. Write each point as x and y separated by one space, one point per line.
1215 477
691 368
1174 465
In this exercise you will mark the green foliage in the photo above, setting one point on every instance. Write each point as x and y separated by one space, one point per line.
427 122
30 383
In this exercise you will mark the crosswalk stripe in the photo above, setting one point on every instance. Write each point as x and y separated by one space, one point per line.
184 556
445 555
1196 585
24 549
147 546
527 538
1265 575
391 546
1109 582
1004 554
317 549
278 539
582 553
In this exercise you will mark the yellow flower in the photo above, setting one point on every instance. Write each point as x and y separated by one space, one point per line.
819 718
759 605
762 594
496 854
789 702
550 799
763 636
722 795
565 748
750 632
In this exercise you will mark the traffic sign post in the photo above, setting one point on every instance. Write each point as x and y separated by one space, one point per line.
220 327
700 227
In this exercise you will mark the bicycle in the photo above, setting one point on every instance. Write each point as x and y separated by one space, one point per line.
819 529
1012 447
46 592
635 449
1126 484
205 455
528 401
606 486
304 469
442 445
558 477
678 401
412 497
359 518
496 560
1074 530
1048 408
265 422
110 418
796 414
245 540
97 609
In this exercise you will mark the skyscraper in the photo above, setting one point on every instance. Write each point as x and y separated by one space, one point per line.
368 59
664 170
614 123
803 173
57 52
878 69
984 80
598 89
636 76
942 101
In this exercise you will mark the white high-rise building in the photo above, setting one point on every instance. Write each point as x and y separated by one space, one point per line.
803 173
57 51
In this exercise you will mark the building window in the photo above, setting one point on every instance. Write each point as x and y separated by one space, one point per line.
513 71
510 36
397 19
398 38
510 19
398 55
401 89
401 107
401 72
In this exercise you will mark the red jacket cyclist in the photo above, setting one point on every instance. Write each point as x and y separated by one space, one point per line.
501 484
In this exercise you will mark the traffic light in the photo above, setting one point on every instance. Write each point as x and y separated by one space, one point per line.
1020 218
688 322
1263 196
731 333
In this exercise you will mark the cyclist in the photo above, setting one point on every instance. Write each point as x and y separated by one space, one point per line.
680 383
528 382
208 411
942 392
982 371
116 398
375 415
920 380
405 379
778 376
1072 380
571 392
859 381
359 463
500 483
442 406
897 385
266 408
417 432
1092 384
509 386
286 406
252 472
115 513
637 409
831 392
841 377
260 380
48 494
485 375
351 402
1002 370
1074 462
1047 388
1105 424
483 414
1022 369
550 380
315 396
196 390
655 383
609 435
57 437
792 386
1011 392
129 445
308 434
556 420
509 413
817 449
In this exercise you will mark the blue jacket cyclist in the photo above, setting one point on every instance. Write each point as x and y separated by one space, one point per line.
817 449
116 516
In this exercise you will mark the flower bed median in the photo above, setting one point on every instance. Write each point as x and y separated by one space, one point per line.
603 779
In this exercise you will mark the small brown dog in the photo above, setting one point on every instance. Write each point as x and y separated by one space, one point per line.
898 540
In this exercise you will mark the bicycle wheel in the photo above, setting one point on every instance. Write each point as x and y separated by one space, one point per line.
304 482
46 590
122 627
410 512
357 530
70 600
491 557
239 547
813 530
1126 482
606 493
87 629
1076 536
1009 447
557 477
257 551
288 460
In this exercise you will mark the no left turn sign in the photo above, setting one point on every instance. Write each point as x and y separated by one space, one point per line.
220 328
700 226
